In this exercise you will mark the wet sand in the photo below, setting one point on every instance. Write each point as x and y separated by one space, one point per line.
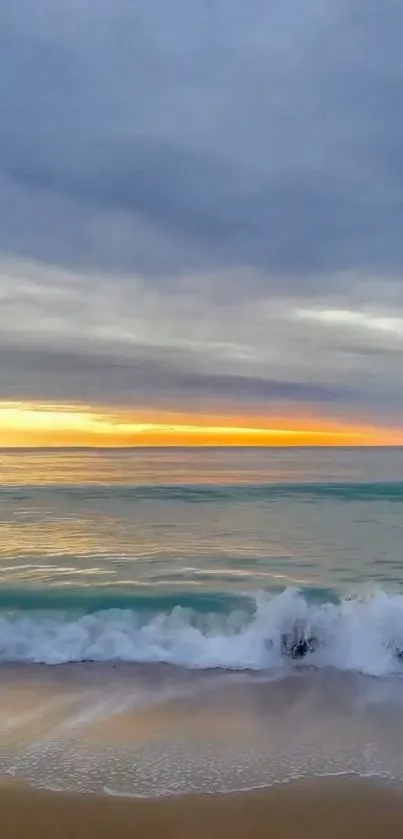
157 731
308 810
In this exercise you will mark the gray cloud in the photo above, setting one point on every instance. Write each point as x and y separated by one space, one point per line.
265 135
187 190
149 379
130 343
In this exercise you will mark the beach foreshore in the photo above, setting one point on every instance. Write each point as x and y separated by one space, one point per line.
305 809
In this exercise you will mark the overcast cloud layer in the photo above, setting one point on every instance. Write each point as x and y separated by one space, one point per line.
202 203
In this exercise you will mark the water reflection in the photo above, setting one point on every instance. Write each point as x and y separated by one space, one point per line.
30 467
50 536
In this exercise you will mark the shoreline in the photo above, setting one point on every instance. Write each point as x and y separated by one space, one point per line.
307 809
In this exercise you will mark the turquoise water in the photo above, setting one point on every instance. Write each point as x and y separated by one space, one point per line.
195 557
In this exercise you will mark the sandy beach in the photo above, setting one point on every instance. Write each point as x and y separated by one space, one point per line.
331 808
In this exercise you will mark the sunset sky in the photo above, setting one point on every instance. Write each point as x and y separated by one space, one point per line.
201 222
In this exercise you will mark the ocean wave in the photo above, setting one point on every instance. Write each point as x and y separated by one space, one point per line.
207 493
360 634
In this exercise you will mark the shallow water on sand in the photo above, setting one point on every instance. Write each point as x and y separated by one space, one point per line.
148 731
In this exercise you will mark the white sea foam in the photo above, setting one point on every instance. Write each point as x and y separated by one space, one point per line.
361 634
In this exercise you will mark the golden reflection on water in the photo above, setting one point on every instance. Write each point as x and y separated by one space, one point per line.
103 467
64 520
68 533
130 466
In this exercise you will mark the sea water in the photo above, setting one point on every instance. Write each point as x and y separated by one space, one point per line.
150 590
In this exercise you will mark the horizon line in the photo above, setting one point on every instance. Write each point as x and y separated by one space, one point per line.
201 446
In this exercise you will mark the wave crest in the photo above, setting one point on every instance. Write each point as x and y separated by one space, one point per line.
391 491
361 634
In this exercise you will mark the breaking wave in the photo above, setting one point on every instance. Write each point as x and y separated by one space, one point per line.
362 634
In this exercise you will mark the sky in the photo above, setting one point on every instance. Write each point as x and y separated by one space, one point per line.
201 219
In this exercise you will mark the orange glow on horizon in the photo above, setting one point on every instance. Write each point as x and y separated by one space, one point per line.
46 425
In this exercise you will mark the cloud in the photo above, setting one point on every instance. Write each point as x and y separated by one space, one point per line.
226 135
201 203
130 343
149 379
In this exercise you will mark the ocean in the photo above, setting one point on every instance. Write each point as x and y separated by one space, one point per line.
144 600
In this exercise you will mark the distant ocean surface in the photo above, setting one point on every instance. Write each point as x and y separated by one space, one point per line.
164 575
